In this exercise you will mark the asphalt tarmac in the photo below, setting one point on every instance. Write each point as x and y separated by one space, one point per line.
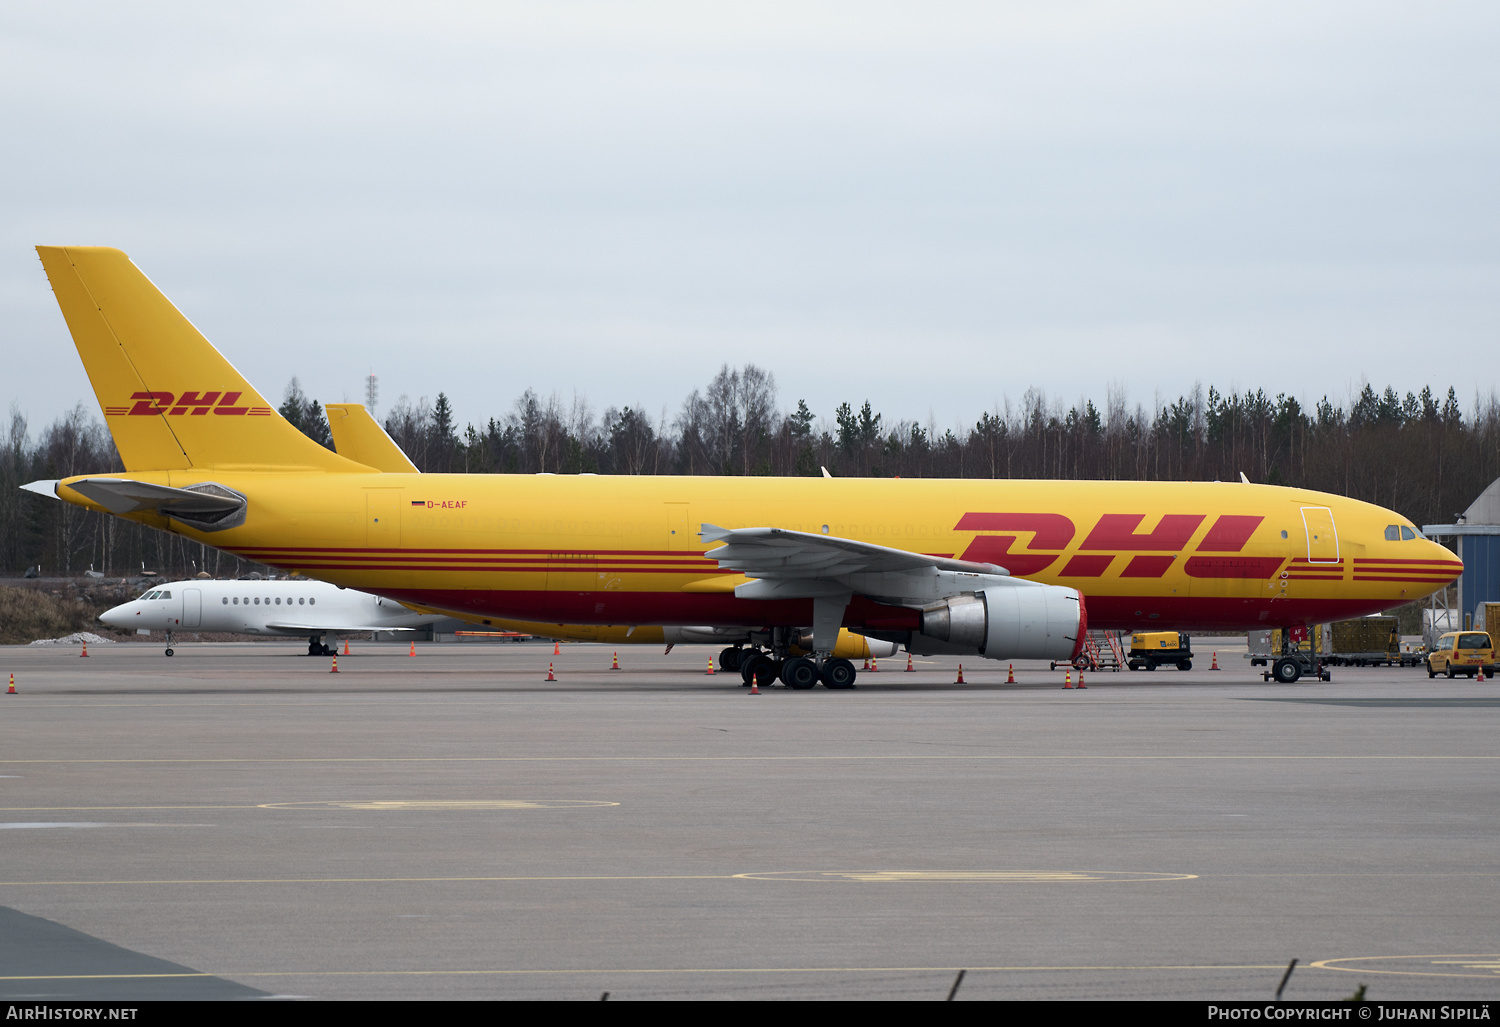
239 822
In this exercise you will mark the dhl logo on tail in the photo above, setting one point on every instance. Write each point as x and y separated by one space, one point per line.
152 404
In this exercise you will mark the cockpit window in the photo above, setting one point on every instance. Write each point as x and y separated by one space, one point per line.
1392 533
165 595
1407 533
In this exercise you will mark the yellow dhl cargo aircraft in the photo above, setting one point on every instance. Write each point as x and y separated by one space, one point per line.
360 437
1004 569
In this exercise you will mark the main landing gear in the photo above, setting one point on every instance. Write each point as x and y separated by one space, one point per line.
798 673
315 647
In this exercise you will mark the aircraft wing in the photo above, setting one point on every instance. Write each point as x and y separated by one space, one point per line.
781 553
318 629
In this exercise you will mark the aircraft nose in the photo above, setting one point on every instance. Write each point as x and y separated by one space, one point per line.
114 617
1436 553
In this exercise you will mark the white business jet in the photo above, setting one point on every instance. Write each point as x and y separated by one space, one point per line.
312 609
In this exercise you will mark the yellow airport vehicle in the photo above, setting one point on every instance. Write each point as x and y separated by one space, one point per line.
1462 652
1001 569
1152 649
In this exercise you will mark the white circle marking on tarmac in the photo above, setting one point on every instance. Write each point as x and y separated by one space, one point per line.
1487 965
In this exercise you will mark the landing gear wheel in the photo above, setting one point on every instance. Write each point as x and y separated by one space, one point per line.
766 671
1287 671
729 659
838 673
169 652
799 673
748 662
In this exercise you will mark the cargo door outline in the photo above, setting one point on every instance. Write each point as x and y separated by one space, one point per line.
192 607
679 536
383 518
1322 534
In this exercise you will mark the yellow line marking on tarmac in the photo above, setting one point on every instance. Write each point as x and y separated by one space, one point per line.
976 877
101 977
389 805
233 975
1069 758
965 876
378 805
390 880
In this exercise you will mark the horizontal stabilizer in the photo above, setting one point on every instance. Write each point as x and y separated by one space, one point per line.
207 506
45 487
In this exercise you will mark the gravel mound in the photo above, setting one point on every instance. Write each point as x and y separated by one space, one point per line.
76 638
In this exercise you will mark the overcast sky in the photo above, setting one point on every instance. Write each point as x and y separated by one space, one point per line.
930 205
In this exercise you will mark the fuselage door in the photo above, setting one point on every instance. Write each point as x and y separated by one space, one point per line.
679 534
1322 536
192 607
383 518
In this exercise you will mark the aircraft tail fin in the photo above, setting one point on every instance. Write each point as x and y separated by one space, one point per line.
360 437
170 399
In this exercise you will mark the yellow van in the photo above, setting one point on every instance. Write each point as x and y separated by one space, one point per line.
1462 652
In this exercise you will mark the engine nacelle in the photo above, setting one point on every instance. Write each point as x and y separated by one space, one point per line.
1012 622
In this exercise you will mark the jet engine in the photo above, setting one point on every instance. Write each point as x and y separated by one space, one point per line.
1040 622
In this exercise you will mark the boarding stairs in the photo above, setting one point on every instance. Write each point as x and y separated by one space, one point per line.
1103 650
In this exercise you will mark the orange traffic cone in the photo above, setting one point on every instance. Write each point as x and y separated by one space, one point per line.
755 686
1080 680
617 661
710 666
1010 677
550 675
413 648
1068 678
908 663
1479 675
874 665
346 645
556 647
1216 662
867 664
960 675
85 648
12 684
335 669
